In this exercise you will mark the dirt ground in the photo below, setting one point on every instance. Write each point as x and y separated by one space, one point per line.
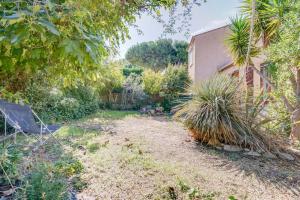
154 158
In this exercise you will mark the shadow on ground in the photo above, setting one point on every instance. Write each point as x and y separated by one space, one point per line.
282 174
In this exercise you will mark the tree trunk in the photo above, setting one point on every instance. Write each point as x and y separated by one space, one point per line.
286 102
295 119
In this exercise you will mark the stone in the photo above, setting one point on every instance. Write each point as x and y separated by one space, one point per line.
187 140
269 155
219 148
285 156
252 153
232 148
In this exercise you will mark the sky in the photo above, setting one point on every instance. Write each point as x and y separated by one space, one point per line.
209 14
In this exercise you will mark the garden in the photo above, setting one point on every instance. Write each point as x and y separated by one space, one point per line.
139 127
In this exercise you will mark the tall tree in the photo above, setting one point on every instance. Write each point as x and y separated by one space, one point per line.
65 38
158 54
285 54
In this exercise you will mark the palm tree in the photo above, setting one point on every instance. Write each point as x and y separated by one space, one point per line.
266 16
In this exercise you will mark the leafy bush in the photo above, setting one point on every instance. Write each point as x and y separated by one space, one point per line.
110 86
69 167
10 157
132 70
86 98
45 182
176 79
53 104
216 114
152 82
133 94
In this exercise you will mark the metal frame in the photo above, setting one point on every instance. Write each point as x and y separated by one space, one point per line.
18 129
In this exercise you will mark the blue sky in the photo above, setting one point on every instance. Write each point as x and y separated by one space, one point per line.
211 13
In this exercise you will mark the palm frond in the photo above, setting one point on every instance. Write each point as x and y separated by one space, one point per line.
238 40
216 114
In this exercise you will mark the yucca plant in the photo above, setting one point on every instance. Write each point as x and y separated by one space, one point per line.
217 114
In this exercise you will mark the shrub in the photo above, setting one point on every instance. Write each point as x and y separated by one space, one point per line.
69 167
54 104
216 114
132 70
152 82
45 182
175 81
133 94
10 157
111 83
85 97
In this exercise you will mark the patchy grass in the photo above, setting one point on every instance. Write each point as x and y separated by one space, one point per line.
144 158
112 114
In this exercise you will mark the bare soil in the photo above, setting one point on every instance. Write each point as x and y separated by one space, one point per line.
154 158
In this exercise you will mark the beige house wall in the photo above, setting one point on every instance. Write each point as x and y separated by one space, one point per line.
209 55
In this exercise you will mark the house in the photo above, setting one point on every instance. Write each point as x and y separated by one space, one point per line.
209 55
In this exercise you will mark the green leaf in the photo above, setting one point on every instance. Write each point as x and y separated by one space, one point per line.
36 8
2 38
49 25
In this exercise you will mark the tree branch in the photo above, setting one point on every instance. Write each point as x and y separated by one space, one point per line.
287 104
298 86
293 82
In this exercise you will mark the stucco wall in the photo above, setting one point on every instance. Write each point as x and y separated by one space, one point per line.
210 53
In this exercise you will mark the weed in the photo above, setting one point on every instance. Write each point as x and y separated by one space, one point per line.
93 147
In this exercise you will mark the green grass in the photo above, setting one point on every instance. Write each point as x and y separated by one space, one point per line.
113 114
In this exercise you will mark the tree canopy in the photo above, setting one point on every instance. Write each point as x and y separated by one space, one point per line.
64 38
158 54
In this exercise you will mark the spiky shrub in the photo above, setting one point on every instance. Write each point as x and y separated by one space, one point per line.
217 114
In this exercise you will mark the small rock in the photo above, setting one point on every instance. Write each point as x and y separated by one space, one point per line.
269 155
187 140
252 153
80 147
219 148
232 148
246 149
285 156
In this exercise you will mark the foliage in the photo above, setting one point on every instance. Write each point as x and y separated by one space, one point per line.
239 39
54 104
111 82
45 182
10 157
132 70
284 54
158 54
194 193
133 94
267 19
175 80
68 167
216 114
66 39
152 82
